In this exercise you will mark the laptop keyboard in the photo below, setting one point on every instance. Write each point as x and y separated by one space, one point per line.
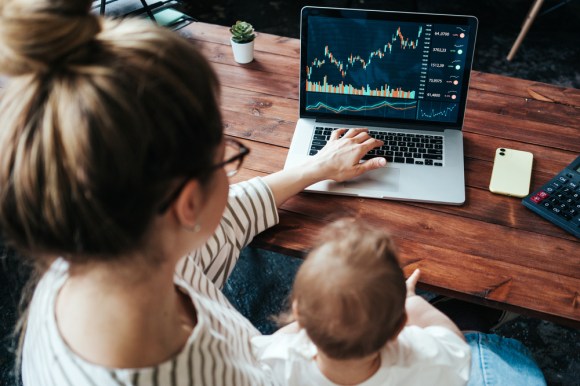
404 148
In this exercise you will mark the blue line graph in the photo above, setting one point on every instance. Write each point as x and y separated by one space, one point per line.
437 111
400 106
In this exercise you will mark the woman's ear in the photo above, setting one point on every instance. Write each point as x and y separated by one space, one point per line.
188 205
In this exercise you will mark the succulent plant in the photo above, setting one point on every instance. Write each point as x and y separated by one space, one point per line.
242 32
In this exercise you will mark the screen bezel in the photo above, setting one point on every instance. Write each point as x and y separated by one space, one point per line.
469 21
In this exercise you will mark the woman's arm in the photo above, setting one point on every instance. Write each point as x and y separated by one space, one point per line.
339 160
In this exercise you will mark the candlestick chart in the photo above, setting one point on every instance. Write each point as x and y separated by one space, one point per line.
379 67
365 71
384 68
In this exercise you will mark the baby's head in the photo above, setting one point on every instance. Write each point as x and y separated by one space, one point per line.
349 295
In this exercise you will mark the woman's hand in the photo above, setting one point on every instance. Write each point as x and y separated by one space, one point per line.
340 159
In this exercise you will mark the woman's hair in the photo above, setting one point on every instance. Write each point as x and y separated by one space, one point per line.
350 292
99 119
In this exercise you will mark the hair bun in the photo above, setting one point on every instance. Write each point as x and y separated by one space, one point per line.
35 34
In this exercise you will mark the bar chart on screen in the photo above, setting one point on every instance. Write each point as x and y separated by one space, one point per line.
378 64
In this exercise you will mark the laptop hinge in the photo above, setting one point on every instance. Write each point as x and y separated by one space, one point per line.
394 125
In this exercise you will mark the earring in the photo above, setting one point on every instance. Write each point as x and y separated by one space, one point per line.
196 228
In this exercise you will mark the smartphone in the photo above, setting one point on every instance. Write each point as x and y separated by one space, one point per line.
512 172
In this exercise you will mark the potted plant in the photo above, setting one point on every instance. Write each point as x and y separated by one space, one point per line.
243 41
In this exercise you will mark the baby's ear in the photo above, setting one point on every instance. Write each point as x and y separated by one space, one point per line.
295 310
401 324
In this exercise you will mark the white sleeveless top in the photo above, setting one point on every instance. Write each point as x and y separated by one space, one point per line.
218 351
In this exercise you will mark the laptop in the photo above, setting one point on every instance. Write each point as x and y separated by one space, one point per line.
405 77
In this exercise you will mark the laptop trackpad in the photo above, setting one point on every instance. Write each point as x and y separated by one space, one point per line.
380 180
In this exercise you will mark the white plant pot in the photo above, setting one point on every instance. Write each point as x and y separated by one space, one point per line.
243 52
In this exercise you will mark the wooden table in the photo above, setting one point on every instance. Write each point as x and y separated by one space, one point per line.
491 250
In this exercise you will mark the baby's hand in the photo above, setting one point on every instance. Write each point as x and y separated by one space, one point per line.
412 282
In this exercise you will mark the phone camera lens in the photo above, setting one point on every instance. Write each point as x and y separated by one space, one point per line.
502 154
502 150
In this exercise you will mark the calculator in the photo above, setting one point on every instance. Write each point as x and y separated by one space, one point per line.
558 200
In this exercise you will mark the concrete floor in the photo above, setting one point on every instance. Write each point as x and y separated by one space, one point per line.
262 280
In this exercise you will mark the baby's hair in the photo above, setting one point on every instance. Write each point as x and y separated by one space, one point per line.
350 292
98 121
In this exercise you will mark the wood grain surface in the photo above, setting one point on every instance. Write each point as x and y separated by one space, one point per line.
491 250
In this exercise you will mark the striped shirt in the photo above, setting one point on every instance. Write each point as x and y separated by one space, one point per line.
218 351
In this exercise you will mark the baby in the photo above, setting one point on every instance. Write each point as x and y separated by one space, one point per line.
358 322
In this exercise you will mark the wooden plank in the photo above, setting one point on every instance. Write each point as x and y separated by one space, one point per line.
492 280
466 275
546 159
263 61
538 133
554 94
257 81
457 233
256 104
523 108
263 158
520 87
264 42
258 128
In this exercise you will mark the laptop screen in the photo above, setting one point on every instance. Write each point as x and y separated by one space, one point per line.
381 67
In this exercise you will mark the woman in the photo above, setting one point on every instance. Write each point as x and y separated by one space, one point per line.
113 166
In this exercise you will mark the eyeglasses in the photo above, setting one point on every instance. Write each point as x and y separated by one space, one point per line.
234 154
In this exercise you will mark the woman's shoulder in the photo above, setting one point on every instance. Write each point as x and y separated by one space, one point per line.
218 341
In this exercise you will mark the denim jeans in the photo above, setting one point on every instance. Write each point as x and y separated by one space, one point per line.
496 360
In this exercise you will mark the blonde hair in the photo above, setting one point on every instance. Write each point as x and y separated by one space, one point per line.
98 120
350 292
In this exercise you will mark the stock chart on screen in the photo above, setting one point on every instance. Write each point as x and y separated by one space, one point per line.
377 68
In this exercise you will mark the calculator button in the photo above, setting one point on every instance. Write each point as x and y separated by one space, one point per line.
536 198
572 185
550 189
542 194
562 179
556 210
556 184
